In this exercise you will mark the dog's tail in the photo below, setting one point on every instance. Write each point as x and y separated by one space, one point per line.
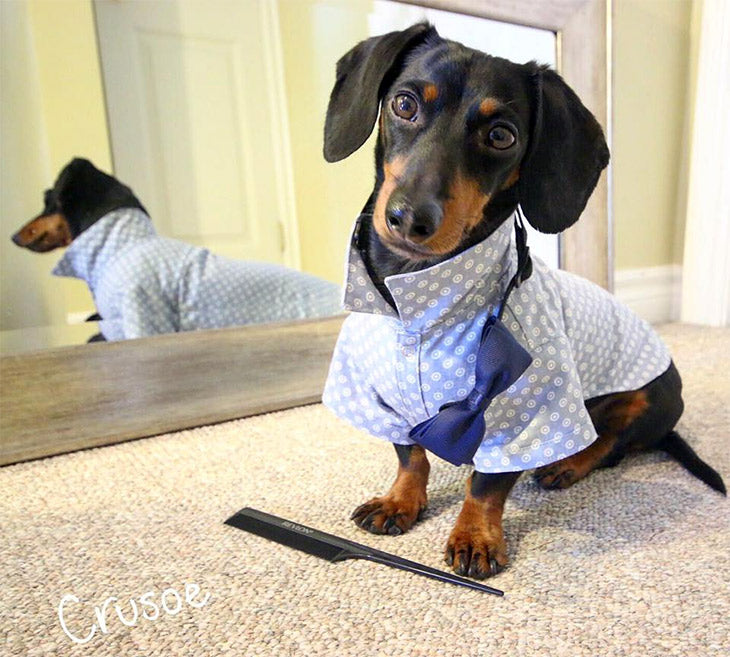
674 445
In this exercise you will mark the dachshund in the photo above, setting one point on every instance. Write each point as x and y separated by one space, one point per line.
144 284
466 140
81 195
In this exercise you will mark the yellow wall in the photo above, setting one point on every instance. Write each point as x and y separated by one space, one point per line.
64 38
23 172
61 97
651 71
315 34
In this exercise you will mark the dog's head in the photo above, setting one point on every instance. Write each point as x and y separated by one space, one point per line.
463 138
80 196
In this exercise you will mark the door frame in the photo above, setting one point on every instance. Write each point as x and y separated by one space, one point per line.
281 137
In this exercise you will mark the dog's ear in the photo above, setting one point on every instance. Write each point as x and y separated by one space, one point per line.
565 155
73 171
355 98
85 194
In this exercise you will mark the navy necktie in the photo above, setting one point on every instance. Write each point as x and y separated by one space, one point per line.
457 430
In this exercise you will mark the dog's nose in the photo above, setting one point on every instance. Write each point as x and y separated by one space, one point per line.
415 224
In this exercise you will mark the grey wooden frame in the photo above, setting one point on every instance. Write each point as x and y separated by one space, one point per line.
60 400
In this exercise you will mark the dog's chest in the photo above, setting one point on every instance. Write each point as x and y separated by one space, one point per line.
392 369
417 372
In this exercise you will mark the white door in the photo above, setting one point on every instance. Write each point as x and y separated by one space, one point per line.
196 108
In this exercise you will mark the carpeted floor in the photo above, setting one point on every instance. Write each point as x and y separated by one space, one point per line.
633 561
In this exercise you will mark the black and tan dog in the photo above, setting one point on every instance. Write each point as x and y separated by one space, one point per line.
146 284
81 195
463 139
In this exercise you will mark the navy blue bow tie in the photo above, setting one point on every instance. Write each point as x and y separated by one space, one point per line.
457 430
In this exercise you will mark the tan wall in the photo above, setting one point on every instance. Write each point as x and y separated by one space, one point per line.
23 172
59 103
315 34
64 38
651 63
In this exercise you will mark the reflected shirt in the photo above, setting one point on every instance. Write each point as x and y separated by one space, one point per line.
395 367
144 284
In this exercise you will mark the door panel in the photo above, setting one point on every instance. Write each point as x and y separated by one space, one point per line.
193 109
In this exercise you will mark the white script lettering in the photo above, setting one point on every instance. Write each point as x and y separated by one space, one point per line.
170 600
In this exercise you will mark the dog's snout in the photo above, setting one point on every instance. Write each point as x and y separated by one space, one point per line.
413 223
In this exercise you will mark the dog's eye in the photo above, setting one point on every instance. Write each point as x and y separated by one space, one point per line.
501 138
405 106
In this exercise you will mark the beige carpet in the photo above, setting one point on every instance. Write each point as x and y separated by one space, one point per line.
633 561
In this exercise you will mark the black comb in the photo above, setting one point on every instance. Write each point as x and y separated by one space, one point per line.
335 549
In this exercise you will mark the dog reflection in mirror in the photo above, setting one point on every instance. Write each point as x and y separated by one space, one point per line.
144 284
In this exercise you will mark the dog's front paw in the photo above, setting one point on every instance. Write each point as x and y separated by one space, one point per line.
476 548
389 514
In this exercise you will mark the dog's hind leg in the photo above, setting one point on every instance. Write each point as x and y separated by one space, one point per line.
633 421
611 416
398 510
562 474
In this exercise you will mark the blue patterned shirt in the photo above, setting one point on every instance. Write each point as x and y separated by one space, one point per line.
394 368
144 284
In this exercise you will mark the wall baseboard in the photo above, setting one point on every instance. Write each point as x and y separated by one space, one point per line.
653 293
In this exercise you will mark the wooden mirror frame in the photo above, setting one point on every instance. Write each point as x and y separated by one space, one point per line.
62 400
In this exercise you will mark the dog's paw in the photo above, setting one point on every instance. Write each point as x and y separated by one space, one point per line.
476 549
600 454
567 472
556 475
389 514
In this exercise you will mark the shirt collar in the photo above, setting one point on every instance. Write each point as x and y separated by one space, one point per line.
426 297
99 244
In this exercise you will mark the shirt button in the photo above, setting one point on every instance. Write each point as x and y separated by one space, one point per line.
408 352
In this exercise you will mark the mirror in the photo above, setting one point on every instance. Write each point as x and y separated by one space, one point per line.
48 116
215 113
